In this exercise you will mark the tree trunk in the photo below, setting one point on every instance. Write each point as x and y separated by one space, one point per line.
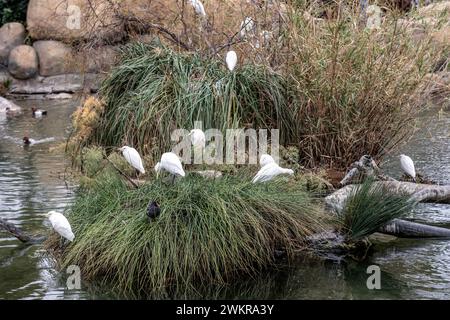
408 229
418 192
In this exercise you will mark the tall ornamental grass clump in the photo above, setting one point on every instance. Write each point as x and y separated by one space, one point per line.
356 90
155 90
208 232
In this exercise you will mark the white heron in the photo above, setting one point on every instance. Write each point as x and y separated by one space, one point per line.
170 163
61 225
133 158
198 138
198 7
270 171
247 26
231 60
407 166
265 159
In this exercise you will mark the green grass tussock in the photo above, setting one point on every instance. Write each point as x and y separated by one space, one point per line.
209 231
155 90
369 207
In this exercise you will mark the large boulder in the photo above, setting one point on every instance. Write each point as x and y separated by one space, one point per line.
54 58
23 62
69 20
103 20
11 35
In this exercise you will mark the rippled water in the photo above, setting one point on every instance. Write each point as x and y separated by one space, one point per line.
32 183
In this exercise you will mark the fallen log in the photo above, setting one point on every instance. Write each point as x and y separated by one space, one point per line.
397 227
407 229
418 192
19 234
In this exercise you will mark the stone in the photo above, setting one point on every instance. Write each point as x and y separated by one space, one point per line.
55 58
11 35
67 83
23 62
5 104
97 60
69 20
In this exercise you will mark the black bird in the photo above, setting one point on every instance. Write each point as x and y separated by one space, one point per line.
153 210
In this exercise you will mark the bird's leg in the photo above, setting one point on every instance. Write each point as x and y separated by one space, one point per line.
173 179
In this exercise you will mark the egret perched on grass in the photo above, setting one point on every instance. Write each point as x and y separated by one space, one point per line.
247 26
198 138
170 163
198 7
270 171
231 60
265 159
407 166
61 225
133 158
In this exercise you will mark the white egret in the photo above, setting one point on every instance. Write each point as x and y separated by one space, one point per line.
133 158
231 60
38 112
407 166
265 159
170 163
61 225
198 138
198 7
270 171
247 26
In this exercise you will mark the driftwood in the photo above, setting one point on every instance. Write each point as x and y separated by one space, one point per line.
418 193
19 234
367 168
408 229
401 228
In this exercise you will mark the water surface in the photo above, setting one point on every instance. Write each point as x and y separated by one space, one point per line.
32 182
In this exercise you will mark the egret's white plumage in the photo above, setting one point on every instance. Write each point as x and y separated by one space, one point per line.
270 171
133 158
198 138
61 225
198 7
170 163
407 166
265 159
247 26
231 60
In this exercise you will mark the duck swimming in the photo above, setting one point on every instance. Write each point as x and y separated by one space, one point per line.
28 141
38 112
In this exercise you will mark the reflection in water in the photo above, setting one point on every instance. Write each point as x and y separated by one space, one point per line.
31 184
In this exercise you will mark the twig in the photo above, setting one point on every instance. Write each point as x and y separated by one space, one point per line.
120 171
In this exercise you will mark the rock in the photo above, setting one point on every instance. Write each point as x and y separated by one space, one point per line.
11 35
67 83
97 60
69 20
5 103
55 58
23 62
